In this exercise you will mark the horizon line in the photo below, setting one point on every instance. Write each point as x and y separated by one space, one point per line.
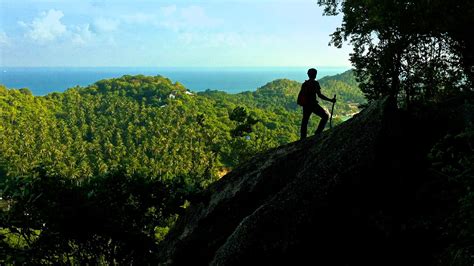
263 66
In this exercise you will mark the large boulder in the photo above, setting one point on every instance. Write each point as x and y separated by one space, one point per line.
353 196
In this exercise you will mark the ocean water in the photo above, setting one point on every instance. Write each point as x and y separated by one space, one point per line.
44 80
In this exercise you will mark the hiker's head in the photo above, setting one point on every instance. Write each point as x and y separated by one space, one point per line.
312 72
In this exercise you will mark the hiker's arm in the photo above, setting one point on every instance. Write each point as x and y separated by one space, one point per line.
322 96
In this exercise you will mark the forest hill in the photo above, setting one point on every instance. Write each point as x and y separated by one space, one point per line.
100 173
151 126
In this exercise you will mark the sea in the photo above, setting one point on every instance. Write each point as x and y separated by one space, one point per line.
45 80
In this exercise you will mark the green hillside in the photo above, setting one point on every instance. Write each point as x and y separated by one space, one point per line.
128 153
146 125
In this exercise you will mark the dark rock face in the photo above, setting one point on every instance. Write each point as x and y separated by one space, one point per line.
338 199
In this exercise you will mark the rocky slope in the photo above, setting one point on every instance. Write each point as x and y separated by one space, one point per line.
357 195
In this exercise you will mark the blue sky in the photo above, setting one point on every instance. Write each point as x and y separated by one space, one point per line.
176 33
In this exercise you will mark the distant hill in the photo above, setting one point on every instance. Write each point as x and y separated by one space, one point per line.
282 93
122 121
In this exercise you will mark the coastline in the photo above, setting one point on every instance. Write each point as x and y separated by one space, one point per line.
44 80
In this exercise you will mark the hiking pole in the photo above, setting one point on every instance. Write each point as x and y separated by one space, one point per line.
332 111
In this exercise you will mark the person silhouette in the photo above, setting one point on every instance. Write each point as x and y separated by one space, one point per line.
310 88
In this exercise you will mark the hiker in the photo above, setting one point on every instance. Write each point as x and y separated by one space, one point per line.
307 99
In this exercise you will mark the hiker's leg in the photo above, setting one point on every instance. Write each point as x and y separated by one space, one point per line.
319 111
304 122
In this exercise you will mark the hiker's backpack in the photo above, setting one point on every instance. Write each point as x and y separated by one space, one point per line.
303 95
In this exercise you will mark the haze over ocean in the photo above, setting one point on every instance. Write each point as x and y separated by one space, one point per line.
44 80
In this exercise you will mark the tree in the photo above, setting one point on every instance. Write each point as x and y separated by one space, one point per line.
97 175
244 122
412 50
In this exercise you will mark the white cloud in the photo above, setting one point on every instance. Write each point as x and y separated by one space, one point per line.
4 39
46 27
105 25
81 35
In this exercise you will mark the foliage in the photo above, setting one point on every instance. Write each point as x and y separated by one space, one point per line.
417 51
80 134
244 122
111 219
453 157
146 125
98 175
249 137
275 103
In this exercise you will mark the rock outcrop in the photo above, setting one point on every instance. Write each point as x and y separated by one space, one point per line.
338 199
